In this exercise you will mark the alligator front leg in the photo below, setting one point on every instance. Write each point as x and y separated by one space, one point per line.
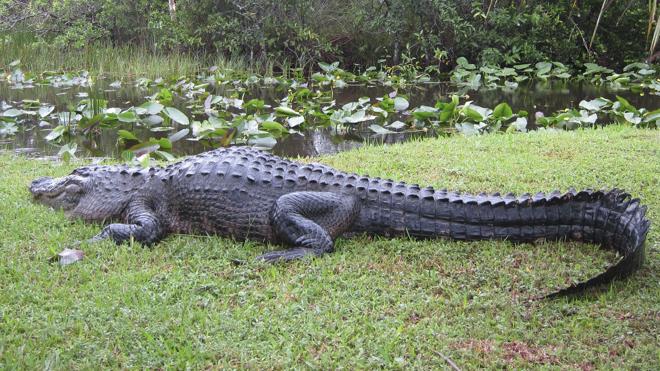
143 226
310 221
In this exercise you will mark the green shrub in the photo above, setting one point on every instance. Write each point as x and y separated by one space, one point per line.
363 32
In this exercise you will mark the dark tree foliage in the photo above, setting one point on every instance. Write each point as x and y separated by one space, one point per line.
361 32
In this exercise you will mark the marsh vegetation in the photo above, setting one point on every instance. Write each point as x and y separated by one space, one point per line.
144 81
141 80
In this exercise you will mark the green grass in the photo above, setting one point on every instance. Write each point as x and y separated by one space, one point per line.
372 303
114 61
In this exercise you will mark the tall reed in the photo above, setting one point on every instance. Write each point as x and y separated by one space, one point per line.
109 60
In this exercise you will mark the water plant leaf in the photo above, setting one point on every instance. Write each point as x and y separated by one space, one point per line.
542 68
179 135
165 155
262 142
12 112
625 105
144 160
463 63
447 111
176 115
254 105
164 143
379 129
593 69
17 78
632 118
164 96
328 68
68 152
401 104
273 126
144 148
153 120
127 156
425 113
125 134
56 133
637 65
359 116
152 108
228 137
363 101
295 121
652 116
476 113
350 106
507 71
467 128
45 110
585 118
7 128
397 125
379 111
159 129
286 111
594 105
502 111
520 124
474 82
127 116
472 114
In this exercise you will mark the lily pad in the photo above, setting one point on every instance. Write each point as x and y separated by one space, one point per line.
176 115
401 104
379 129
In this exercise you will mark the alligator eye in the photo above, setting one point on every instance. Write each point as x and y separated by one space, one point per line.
73 188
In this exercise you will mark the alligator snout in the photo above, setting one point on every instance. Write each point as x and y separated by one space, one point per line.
40 185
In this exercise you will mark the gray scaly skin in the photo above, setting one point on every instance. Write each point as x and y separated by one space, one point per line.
248 194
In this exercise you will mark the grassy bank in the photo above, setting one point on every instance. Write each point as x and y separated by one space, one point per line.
387 303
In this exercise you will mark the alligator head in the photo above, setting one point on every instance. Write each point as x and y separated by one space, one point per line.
87 193
61 193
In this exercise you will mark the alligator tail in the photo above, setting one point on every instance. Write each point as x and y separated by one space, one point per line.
611 219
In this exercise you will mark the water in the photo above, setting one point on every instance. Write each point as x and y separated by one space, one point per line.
532 97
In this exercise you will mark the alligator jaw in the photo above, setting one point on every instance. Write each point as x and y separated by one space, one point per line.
46 187
59 193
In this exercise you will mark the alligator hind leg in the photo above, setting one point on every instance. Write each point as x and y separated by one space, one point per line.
310 221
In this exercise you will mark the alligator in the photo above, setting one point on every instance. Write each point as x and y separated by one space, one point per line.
244 193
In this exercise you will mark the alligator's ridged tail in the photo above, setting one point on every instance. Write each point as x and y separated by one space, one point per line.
611 219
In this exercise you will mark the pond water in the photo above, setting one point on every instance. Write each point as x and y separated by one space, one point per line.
532 97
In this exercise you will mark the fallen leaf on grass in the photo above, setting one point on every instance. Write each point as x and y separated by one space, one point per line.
68 256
